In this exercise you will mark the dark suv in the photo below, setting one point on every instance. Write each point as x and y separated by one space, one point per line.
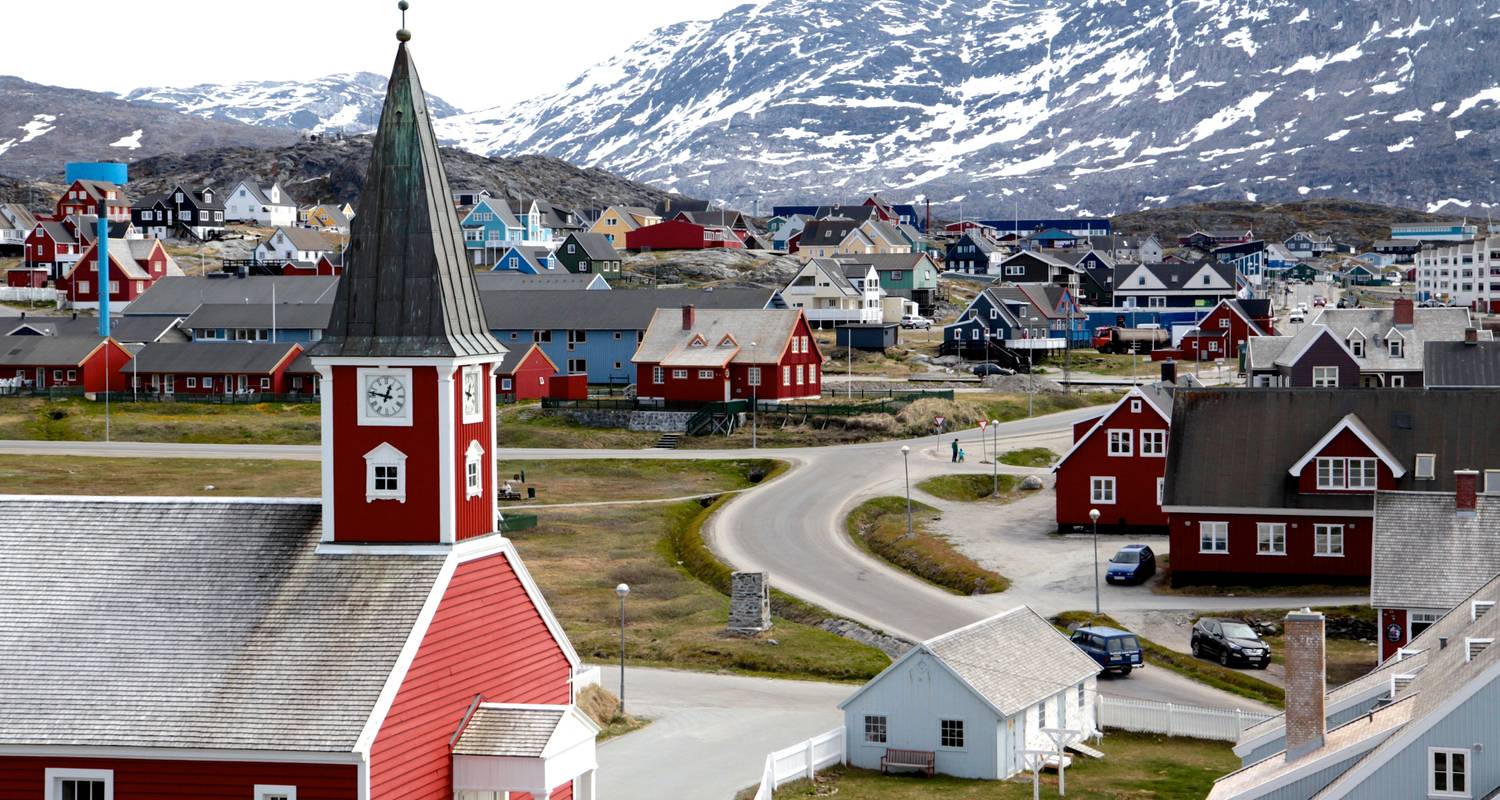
1230 641
1133 564
1112 648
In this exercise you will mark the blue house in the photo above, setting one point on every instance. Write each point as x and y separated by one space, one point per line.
489 230
525 259
302 323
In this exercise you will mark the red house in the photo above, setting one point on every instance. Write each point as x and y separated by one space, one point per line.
134 266
207 368
46 362
27 277
679 234
52 246
384 642
83 198
323 266
1278 485
715 355
1116 465
526 374
1224 331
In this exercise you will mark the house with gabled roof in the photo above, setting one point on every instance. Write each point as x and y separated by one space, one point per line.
1171 285
1224 331
524 259
1001 326
976 699
328 217
588 253
691 355
1308 244
490 228
1117 462
830 292
1209 239
296 244
82 198
197 213
1389 344
248 201
91 363
827 237
1313 358
16 223
135 265
617 221
973 253
910 275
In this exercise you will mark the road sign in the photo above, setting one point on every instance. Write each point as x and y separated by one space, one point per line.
938 421
983 423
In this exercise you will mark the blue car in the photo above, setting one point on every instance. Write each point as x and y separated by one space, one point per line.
1112 648
1135 563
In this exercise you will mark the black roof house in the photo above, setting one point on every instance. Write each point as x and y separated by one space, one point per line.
406 288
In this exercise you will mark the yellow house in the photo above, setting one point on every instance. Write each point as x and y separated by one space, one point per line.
883 238
327 218
616 221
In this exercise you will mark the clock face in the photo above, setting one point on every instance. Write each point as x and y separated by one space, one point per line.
473 394
385 395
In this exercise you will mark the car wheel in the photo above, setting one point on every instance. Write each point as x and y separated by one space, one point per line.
1224 657
1197 650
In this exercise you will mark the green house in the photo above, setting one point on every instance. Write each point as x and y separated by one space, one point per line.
909 275
588 253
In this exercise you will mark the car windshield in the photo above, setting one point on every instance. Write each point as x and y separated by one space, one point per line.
1121 644
1127 557
1238 630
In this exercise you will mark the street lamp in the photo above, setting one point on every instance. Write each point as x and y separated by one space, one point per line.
1094 518
906 468
754 397
995 452
622 590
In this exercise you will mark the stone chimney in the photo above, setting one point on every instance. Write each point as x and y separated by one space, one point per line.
1465 495
1471 336
1169 372
1306 721
1405 311
689 315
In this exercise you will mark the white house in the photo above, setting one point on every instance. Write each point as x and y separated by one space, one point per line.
832 292
295 244
248 202
977 698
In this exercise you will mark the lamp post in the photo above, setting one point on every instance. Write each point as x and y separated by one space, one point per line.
995 453
1094 518
754 396
622 590
906 469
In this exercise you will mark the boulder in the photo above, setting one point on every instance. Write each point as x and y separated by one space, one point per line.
1031 483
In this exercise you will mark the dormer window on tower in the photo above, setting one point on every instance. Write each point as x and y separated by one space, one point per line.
385 474
474 470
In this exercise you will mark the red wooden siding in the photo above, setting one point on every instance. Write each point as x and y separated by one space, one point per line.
356 520
1346 444
22 778
487 638
1243 564
1135 475
473 516
532 378
735 378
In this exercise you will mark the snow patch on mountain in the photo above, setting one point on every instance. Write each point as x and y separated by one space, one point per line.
348 102
132 142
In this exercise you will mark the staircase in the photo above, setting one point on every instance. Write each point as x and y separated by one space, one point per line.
668 441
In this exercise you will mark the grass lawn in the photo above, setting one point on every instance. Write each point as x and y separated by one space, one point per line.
587 480
1207 672
1029 457
76 419
879 526
161 476
1135 766
529 427
968 487
1111 364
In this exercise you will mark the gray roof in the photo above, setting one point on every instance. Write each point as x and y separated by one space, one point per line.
587 309
193 624
1013 659
827 232
1428 325
181 295
1265 350
263 199
407 288
1207 424
301 316
19 216
857 212
213 358
46 351
1426 555
305 239
595 246
836 271
547 281
886 262
668 344
1460 364
499 208
121 329
509 731
1174 276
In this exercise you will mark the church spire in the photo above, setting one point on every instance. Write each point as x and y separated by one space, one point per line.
407 289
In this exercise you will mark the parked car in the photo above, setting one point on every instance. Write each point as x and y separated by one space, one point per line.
1297 317
1302 307
1135 563
1111 648
915 321
991 368
1230 641
1319 301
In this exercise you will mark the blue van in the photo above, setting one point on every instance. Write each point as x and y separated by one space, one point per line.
1112 648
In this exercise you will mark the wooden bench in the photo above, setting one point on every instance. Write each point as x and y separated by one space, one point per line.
924 760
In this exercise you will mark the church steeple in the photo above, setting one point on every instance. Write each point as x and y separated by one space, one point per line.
406 289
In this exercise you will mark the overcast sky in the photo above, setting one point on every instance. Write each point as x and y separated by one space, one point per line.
473 53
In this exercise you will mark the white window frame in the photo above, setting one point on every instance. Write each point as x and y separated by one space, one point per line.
1398 381
266 791
1219 531
1325 377
1323 539
1267 537
679 374
880 721
1491 483
1161 490
474 470
1121 441
1373 473
705 374
468 373
54 776
1098 484
786 375
752 376
1431 471
1154 443
404 419
1135 406
1332 481
192 382
385 455
658 375
1448 753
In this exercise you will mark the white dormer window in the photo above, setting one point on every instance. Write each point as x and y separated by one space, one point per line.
473 474
1395 348
1357 346
1425 466
385 474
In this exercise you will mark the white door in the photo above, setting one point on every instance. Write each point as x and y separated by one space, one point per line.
242 384
171 383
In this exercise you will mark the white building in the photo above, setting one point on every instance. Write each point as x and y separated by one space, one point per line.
1461 274
248 202
832 292
295 244
977 698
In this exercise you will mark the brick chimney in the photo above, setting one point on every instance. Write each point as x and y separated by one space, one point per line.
1306 721
1169 372
1466 492
1471 335
689 315
1405 311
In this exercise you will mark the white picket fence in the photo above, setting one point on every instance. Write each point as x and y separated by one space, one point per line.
1176 719
802 760
21 294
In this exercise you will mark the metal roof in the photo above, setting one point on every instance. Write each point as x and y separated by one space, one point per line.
1460 364
620 309
301 316
181 295
213 358
46 351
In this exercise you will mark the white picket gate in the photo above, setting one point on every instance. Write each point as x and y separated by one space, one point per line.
1176 719
802 760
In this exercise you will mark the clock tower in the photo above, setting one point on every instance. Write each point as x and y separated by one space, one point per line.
407 362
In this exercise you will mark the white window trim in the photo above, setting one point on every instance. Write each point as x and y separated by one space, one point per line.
404 419
54 775
1330 528
1467 773
1260 529
1431 466
474 457
963 733
478 413
1203 528
1096 481
1158 434
385 455
1128 439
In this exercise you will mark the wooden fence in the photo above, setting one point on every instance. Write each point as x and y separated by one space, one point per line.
1176 719
801 760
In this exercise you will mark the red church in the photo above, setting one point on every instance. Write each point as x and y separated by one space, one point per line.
382 643
695 356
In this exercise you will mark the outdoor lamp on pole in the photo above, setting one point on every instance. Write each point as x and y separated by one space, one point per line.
754 397
1094 518
906 469
622 590
995 452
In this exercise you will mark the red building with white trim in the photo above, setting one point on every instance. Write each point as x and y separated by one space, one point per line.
83 197
1116 465
695 356
526 374
205 368
48 362
678 234
1222 333
134 266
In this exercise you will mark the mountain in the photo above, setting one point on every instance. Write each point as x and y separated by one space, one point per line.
1039 106
43 127
348 102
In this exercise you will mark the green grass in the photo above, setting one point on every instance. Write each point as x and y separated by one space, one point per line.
1111 364
1135 766
76 419
1008 407
529 427
1029 457
579 480
1346 657
879 526
1205 672
968 487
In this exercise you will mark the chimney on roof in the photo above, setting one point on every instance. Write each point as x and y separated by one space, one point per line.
1169 372
1466 491
1405 311
1306 721
689 314
1471 336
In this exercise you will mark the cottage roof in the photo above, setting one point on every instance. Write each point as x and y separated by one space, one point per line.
263 645
827 231
45 351
516 356
858 213
1428 325
717 337
300 316
305 239
265 199
888 262
587 309
18 216
499 208
547 280
1045 297
121 329
514 731
181 295
1460 364
1173 276
1428 556
885 231
213 358
1265 351
58 231
595 246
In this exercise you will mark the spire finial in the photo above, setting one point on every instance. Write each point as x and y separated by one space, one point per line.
403 35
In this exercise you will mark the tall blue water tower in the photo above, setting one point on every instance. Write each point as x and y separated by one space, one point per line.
104 172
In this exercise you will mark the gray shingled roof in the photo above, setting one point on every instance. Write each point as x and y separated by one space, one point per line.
668 344
547 281
1013 659
1429 325
305 239
1264 350
1426 555
121 329
595 246
1174 276
193 624
1460 364
590 309
509 731
310 316
45 351
181 296
212 358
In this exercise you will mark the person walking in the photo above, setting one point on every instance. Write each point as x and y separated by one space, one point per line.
955 451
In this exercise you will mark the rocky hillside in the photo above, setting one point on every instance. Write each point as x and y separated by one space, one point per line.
1346 221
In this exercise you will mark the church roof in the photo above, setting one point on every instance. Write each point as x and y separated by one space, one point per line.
406 289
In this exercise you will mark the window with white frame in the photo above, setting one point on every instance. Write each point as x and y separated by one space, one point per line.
1448 775
1102 490
192 382
1270 538
1213 537
1153 443
1398 381
385 474
79 784
1357 346
1492 481
1120 442
1135 406
1395 347
705 374
812 373
1331 473
658 374
1161 489
1362 473
1325 377
786 376
1041 715
753 376
875 728
952 733
1080 697
679 374
1425 465
800 374
473 474
1328 540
